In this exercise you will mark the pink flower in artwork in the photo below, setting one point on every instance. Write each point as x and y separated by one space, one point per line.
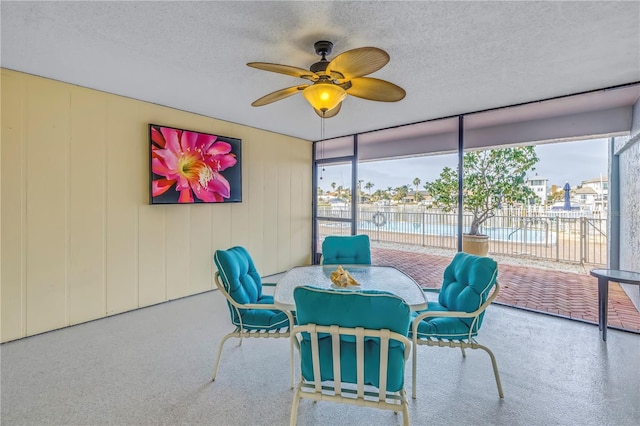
192 162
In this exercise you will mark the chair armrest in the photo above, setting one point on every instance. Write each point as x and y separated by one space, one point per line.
237 305
459 314
265 306
441 314
430 290
268 306
269 284
230 299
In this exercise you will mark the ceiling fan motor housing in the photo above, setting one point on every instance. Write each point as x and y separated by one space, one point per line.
323 48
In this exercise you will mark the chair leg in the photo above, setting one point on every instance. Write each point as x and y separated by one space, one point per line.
294 407
291 364
405 413
464 354
413 371
405 408
215 369
495 369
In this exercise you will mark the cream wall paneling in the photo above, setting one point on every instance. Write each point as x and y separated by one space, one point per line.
47 159
87 206
13 217
79 238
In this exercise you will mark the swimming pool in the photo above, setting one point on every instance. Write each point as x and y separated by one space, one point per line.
514 235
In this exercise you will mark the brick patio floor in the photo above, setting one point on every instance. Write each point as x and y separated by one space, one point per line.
565 294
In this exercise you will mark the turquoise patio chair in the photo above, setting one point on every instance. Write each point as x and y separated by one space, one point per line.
346 250
345 345
455 319
252 313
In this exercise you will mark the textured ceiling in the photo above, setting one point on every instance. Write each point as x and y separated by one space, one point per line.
450 57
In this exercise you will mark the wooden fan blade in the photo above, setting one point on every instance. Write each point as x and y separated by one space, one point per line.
285 69
331 113
375 89
278 95
357 62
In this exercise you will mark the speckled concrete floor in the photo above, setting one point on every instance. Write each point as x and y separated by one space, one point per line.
153 367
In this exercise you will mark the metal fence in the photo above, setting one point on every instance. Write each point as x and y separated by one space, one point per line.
550 237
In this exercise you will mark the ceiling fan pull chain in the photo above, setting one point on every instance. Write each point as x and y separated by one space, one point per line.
322 142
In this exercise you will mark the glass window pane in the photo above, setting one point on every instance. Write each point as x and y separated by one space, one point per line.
334 192
326 228
396 212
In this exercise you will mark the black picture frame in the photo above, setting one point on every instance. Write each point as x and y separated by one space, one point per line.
191 167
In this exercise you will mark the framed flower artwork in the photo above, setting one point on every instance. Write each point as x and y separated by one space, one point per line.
190 167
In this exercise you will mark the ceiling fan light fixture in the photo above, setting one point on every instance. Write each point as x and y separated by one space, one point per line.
324 96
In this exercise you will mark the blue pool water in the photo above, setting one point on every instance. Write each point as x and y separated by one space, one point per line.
535 236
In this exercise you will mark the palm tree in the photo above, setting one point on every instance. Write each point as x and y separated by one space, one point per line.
401 192
416 183
368 186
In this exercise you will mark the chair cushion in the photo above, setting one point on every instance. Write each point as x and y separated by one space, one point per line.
467 282
442 327
353 309
348 367
346 250
239 274
263 319
243 283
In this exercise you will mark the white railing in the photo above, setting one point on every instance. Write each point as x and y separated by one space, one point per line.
557 237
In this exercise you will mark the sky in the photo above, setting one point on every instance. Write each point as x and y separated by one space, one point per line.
562 162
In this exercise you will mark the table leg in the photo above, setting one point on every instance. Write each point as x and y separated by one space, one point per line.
600 304
603 305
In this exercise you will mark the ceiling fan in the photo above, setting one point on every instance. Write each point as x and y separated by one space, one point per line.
333 80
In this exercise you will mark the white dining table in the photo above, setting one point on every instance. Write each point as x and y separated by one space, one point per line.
369 277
